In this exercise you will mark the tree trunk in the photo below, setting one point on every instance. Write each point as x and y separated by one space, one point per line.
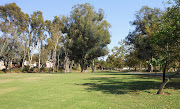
39 65
58 63
54 58
72 62
39 55
10 65
164 71
155 70
6 64
139 66
83 68
24 55
151 68
93 67
4 44
31 56
66 64
23 59
166 81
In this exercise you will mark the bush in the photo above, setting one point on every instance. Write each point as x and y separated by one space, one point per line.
26 69
42 69
31 69
16 70
1 72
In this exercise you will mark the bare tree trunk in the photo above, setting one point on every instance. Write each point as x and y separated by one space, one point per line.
166 81
93 66
151 68
6 64
39 55
155 70
24 58
58 62
66 64
72 62
83 67
139 66
164 71
54 59
4 44
30 62
79 67
10 67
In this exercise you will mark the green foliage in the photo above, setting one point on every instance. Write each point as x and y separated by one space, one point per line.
145 27
26 69
117 58
45 70
167 35
11 18
89 33
131 59
1 72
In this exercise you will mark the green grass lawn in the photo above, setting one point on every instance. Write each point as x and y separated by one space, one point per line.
104 90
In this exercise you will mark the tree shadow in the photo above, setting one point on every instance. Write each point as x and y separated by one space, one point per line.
115 85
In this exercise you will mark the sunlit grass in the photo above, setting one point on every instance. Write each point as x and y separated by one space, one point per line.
105 90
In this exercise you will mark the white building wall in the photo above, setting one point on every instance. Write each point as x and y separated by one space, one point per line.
2 65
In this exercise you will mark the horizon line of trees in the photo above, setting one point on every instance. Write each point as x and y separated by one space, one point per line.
79 38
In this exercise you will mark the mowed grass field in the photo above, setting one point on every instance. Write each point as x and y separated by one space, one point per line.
103 90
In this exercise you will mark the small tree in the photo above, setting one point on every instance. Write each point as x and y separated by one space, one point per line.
167 39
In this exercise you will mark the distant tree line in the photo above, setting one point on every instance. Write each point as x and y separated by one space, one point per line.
79 38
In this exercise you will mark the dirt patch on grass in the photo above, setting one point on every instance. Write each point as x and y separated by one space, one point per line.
5 81
102 76
32 79
7 90
10 75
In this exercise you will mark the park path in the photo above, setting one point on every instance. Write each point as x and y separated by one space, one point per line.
158 74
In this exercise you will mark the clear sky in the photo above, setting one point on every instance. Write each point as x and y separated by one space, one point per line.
117 12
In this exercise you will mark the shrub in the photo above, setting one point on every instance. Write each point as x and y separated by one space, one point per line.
42 69
16 70
1 72
31 69
26 69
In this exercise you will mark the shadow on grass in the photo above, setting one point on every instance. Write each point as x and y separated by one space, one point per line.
120 85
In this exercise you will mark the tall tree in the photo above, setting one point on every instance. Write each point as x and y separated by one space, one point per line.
37 30
24 33
140 38
10 24
54 30
89 33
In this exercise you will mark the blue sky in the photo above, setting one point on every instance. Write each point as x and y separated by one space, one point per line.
117 12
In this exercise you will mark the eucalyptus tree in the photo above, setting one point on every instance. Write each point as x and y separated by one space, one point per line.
89 33
24 33
54 30
37 30
10 25
67 43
